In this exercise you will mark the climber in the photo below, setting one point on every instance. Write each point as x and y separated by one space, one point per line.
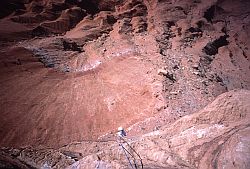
128 150
121 132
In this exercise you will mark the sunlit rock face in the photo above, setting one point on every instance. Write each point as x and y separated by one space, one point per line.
76 70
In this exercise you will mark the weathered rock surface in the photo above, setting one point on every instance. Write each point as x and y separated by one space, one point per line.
73 71
215 137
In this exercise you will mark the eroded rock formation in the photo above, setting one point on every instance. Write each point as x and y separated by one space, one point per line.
73 71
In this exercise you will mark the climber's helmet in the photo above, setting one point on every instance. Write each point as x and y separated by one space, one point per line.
121 132
120 129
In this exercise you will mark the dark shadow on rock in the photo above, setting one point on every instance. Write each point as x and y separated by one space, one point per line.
212 47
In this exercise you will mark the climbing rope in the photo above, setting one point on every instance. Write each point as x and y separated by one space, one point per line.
125 152
133 163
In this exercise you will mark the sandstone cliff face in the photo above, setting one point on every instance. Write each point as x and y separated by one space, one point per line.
73 71
215 137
